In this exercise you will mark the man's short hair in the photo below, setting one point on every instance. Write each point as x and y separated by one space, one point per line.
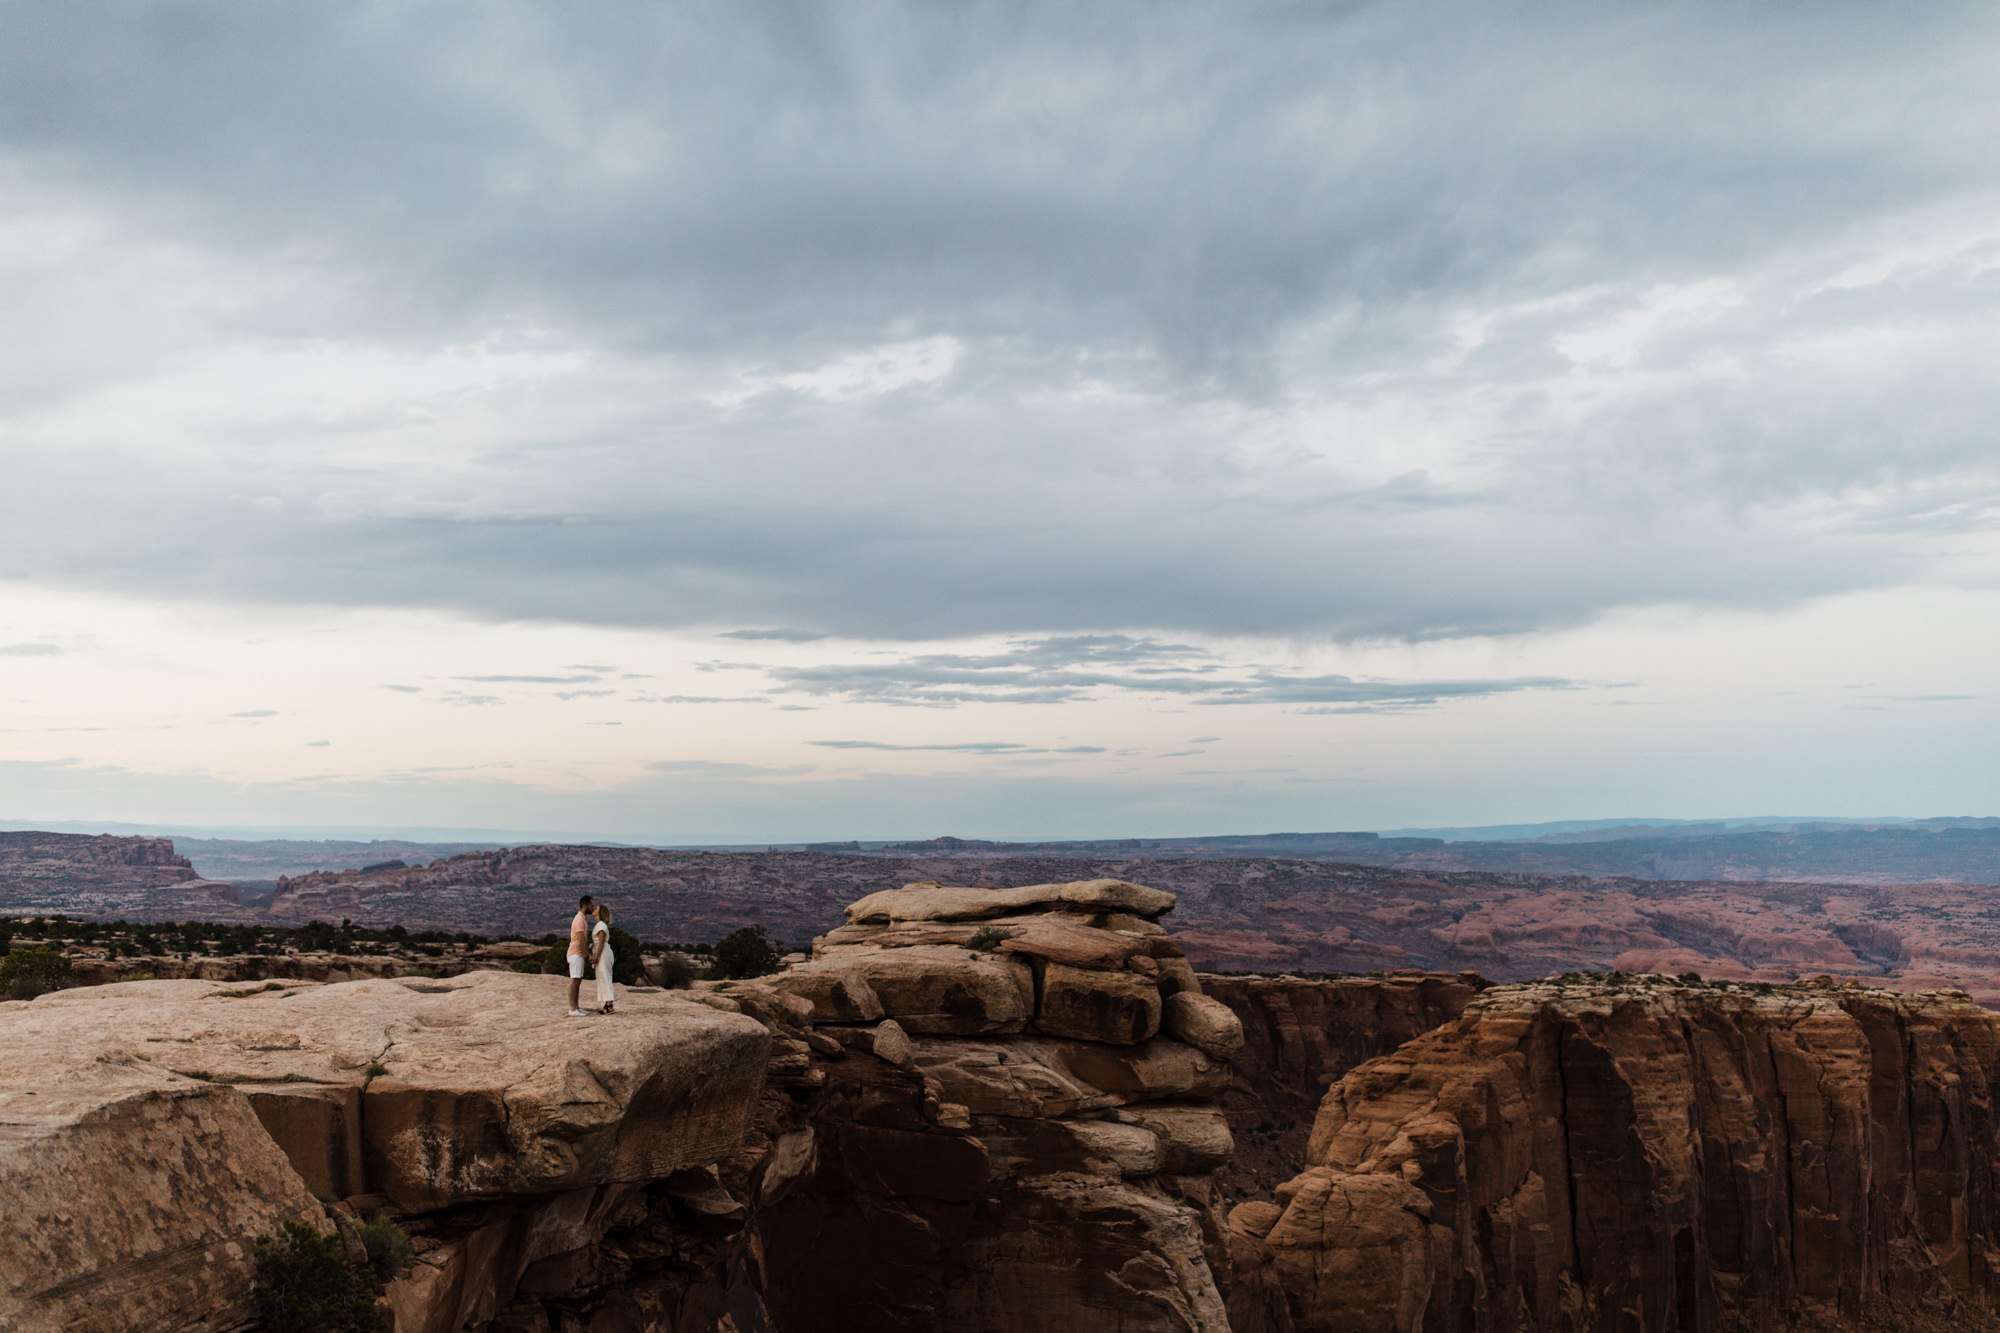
584 901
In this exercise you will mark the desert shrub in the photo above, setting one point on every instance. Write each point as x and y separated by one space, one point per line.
556 961
676 972
26 973
137 976
390 1253
305 1286
745 953
527 965
988 938
627 968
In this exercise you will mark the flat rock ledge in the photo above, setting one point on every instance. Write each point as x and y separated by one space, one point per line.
150 1130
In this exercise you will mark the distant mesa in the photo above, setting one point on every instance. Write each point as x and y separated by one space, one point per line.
1267 913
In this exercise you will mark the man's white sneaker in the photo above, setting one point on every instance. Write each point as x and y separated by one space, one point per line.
579 1013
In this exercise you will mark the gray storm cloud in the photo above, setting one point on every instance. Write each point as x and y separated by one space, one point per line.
891 321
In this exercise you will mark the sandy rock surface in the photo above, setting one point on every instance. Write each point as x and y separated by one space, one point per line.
1073 945
1203 1022
180 1119
936 988
937 902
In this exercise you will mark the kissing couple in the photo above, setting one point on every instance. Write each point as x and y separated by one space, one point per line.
590 944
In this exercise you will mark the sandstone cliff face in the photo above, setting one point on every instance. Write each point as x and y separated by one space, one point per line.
1647 1158
102 876
1300 1035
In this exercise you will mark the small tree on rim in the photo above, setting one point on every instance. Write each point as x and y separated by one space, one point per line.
745 953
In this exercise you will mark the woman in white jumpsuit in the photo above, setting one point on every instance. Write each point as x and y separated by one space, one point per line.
600 936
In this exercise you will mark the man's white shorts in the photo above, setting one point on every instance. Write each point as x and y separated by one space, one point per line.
576 966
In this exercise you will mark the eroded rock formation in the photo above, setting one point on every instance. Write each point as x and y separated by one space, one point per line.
98 875
937 1123
1647 1157
1068 1041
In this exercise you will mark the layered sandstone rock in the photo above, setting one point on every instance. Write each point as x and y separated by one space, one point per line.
150 1131
1036 1015
1647 1157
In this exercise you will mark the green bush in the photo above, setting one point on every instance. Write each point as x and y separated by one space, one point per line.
745 953
26 973
627 968
988 938
390 1253
305 1286
676 972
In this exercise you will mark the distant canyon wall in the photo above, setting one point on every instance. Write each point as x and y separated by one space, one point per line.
1234 914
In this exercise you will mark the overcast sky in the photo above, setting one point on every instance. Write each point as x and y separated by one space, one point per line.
755 421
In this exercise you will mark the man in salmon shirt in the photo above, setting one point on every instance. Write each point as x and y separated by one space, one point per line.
579 952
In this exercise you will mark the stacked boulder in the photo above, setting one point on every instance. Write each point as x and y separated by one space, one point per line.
1063 1029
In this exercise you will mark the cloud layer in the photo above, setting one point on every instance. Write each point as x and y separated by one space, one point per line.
902 323
1078 668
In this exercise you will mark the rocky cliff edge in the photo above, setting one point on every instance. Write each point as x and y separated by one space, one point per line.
149 1131
1647 1156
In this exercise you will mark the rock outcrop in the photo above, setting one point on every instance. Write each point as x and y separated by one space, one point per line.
149 1131
1040 1018
1647 1157
1003 1123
